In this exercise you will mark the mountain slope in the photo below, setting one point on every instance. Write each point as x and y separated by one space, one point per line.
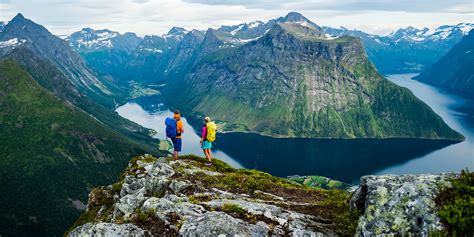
455 69
52 153
42 55
50 78
21 32
295 82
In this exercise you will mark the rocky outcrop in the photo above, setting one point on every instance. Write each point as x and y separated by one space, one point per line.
184 197
163 197
398 205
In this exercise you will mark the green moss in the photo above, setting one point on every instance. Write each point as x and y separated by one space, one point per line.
233 208
196 199
143 216
344 218
456 205
116 187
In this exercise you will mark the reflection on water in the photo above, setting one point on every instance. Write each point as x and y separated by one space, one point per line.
345 160
342 159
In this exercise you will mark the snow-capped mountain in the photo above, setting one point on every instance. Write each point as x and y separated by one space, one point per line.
407 49
2 24
243 33
89 39
444 32
158 44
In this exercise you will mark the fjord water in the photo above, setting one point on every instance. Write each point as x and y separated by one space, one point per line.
341 159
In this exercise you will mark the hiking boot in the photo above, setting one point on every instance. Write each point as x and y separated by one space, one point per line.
208 164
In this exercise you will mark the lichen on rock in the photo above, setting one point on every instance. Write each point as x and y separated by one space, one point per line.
398 205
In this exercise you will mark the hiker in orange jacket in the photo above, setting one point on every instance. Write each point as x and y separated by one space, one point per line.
177 141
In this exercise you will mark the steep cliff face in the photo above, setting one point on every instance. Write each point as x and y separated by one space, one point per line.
186 198
454 71
295 82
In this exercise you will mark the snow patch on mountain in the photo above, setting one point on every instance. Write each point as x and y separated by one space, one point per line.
254 24
303 23
11 43
239 28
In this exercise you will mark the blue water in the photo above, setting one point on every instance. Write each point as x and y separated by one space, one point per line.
341 159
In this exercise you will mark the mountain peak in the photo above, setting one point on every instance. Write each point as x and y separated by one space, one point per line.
175 30
295 16
18 16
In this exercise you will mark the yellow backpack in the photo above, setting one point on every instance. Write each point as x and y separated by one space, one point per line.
211 128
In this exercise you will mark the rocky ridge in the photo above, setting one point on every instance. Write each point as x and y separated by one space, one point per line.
185 198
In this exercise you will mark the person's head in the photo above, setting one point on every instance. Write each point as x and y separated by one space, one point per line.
177 115
207 120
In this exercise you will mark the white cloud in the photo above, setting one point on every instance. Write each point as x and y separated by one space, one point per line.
158 16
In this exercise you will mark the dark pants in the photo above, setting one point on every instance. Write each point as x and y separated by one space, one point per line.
177 143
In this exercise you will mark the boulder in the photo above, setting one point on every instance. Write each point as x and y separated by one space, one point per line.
398 205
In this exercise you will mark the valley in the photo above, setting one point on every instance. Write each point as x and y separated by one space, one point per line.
290 97
340 159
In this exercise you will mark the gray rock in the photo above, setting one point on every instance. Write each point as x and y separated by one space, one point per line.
127 204
220 224
106 230
172 204
397 205
178 186
197 170
295 223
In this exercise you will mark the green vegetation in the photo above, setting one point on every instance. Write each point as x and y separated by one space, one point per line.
52 153
138 91
320 182
456 205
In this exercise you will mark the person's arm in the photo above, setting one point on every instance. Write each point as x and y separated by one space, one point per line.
204 133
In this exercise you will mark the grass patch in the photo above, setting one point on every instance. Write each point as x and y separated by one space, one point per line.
456 205
196 199
217 165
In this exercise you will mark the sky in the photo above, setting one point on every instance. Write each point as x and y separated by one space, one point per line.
146 17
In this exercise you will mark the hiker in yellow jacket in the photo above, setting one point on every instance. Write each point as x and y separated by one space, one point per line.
207 138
